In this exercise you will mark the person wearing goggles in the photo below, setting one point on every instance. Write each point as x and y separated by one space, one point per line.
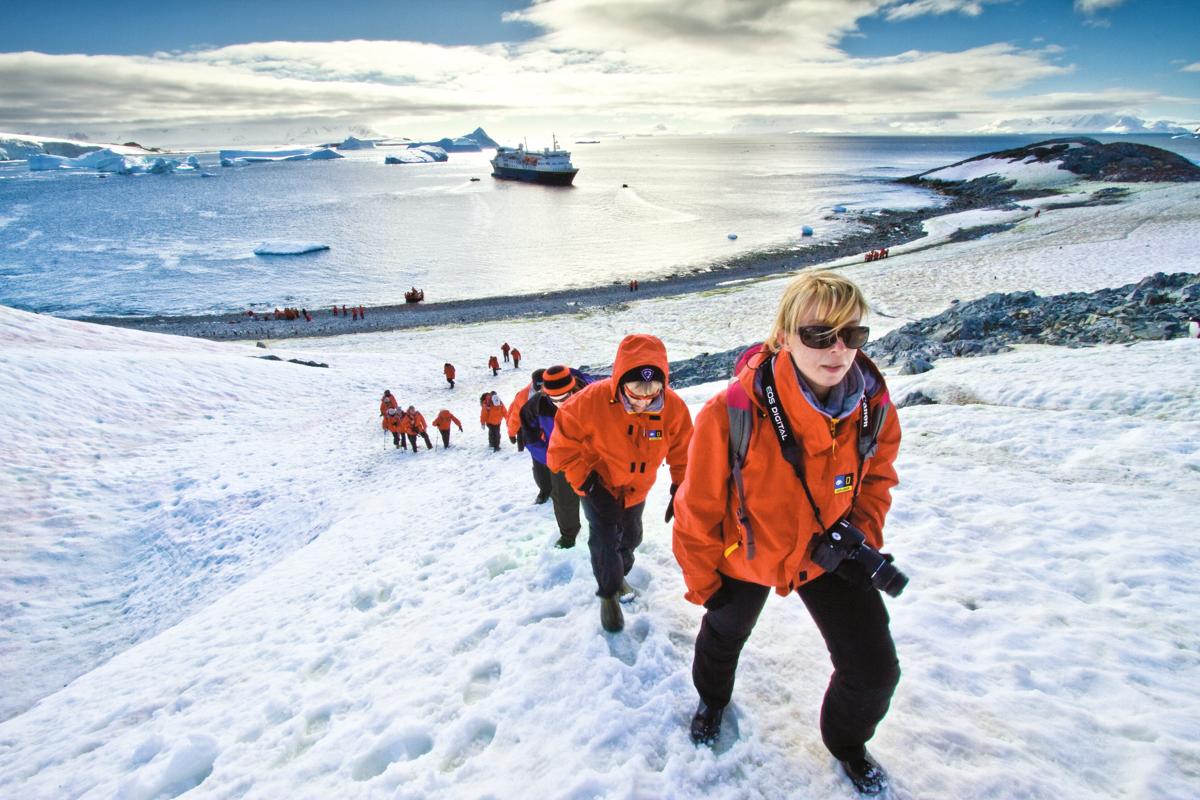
822 442
609 440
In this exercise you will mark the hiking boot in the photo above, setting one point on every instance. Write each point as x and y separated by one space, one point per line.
541 498
706 724
610 614
865 773
626 593
565 542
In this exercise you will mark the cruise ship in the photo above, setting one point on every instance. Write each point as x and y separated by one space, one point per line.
551 166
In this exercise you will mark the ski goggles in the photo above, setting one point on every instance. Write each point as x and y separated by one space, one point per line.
632 395
822 337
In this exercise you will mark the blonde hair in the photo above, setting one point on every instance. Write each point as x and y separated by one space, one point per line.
830 297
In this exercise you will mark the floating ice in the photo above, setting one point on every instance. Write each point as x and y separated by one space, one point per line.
806 230
283 248
240 158
421 154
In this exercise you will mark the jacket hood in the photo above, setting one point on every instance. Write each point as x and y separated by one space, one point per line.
639 350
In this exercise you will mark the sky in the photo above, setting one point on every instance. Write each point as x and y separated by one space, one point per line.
222 71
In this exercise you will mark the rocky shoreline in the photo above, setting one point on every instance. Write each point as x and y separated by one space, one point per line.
885 228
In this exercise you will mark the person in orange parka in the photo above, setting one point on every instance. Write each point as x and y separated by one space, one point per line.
387 401
415 426
734 551
516 358
442 422
504 348
393 421
494 365
491 414
609 440
448 371
541 473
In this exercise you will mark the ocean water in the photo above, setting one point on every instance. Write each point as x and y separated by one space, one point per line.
76 244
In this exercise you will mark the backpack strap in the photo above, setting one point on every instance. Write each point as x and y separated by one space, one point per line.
741 425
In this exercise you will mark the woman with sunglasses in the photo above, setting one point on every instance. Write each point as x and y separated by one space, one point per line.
810 390
609 440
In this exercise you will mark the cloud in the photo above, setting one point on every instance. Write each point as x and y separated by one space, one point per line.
1191 67
909 9
1092 6
692 65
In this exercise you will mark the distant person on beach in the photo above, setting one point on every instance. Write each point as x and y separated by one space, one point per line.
504 348
491 415
415 424
541 473
494 365
448 371
610 439
516 358
442 422
818 476
559 384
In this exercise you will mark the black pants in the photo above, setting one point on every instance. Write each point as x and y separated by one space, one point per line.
412 439
543 478
566 506
494 436
854 624
395 438
520 440
614 532
445 437
516 363
451 382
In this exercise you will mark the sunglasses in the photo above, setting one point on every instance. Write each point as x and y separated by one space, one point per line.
822 337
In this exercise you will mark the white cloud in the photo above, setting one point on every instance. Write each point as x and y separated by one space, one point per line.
908 9
691 65
1092 6
1191 67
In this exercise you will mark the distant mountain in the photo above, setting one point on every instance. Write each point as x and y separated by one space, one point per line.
1087 123
472 142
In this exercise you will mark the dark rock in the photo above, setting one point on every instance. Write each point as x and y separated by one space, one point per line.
915 365
915 398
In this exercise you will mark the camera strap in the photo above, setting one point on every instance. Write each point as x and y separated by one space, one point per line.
788 445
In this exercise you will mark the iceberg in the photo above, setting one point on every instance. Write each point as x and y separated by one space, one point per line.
353 143
283 248
39 162
240 158
418 154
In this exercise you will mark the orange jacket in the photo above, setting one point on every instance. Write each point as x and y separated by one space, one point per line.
492 414
707 535
444 418
395 424
415 422
493 363
516 354
386 403
514 409
593 431
448 371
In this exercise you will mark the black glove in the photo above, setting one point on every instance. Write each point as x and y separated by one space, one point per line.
718 598
590 483
512 439
855 573
671 504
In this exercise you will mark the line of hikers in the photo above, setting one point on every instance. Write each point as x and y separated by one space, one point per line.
406 425
783 483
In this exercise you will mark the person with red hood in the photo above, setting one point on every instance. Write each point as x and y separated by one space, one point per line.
810 477
442 422
609 440
415 423
504 348
448 371
494 365
516 358
491 414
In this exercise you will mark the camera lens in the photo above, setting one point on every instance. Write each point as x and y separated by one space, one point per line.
889 579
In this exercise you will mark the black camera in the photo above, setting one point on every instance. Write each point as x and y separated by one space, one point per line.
844 542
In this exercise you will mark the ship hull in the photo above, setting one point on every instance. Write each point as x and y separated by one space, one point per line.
534 176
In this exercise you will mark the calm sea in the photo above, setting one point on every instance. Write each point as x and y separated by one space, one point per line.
76 244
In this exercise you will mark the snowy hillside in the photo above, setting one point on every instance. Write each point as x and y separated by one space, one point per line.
248 592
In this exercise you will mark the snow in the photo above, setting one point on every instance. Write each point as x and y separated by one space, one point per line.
418 154
353 143
238 158
110 161
1028 173
284 248
219 576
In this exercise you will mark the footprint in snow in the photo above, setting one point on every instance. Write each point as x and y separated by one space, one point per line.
472 738
403 746
472 639
483 681
624 646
